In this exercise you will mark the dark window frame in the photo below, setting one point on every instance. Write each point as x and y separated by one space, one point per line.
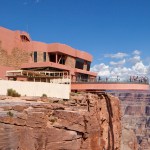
35 56
79 64
44 56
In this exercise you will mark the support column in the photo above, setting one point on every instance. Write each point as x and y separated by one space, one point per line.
56 58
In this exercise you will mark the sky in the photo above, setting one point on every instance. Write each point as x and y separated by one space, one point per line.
115 32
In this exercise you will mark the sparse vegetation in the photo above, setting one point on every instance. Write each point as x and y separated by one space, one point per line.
73 93
44 95
52 119
9 113
13 93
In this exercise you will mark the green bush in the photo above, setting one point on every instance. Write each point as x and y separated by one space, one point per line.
13 93
44 95
9 113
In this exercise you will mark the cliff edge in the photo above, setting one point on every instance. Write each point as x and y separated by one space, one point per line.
85 122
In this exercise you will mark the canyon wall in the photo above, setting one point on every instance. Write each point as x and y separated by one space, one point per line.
85 122
135 106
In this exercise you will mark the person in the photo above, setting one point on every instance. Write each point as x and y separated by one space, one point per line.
99 78
117 78
106 79
130 78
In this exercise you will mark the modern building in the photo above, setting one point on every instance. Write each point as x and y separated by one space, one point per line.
19 51
59 65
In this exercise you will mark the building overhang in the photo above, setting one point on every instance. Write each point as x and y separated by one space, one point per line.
57 66
44 65
85 72
67 50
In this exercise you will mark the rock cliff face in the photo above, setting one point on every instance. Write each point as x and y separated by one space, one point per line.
135 107
85 122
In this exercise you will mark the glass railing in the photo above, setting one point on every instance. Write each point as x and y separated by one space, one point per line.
129 80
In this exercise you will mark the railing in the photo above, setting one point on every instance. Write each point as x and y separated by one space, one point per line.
129 80
29 73
40 76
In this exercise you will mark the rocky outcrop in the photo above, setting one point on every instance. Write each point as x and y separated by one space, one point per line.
135 106
85 122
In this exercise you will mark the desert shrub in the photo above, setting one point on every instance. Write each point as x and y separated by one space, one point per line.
44 95
9 113
13 93
53 119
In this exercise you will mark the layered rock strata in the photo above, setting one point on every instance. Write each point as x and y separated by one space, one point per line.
85 122
135 106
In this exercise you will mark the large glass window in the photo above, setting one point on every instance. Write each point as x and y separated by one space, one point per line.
35 56
61 59
88 65
52 57
44 56
79 63
82 77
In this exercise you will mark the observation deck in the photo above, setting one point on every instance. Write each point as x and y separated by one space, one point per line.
110 84
91 85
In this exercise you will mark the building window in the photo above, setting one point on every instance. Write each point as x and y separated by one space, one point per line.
61 59
24 38
52 57
44 56
79 63
35 56
88 66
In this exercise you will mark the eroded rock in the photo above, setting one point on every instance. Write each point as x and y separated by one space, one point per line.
85 122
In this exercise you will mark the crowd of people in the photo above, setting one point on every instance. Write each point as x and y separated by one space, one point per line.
140 79
137 79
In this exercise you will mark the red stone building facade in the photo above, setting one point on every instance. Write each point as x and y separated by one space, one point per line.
18 51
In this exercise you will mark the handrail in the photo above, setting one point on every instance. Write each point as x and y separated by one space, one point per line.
62 74
113 80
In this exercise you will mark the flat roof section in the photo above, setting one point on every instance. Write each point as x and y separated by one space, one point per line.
65 49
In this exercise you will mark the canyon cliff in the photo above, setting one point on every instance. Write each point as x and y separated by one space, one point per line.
85 122
135 107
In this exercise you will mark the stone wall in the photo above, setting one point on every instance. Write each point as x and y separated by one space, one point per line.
85 66
70 61
39 56
15 59
3 57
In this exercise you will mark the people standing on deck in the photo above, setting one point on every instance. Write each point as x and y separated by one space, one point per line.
139 79
99 79
118 79
106 79
130 79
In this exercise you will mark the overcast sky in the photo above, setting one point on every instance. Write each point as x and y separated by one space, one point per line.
115 32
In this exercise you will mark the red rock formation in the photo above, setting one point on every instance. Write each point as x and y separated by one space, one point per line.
135 120
85 122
